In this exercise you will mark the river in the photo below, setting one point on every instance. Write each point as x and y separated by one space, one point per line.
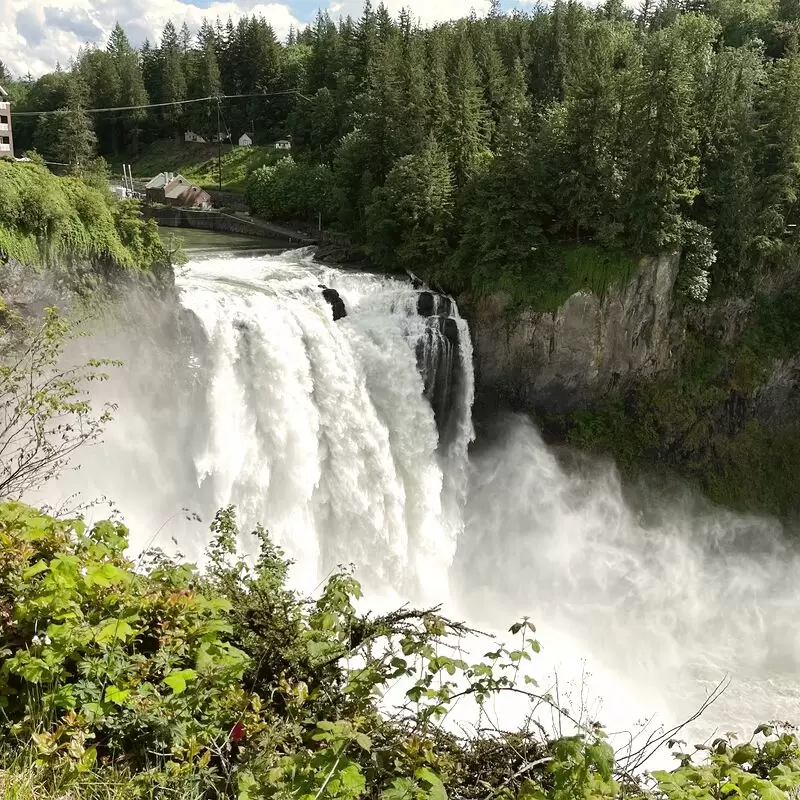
320 430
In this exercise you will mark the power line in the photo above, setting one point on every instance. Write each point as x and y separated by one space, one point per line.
162 105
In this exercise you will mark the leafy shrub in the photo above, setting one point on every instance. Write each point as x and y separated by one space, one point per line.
291 190
59 222
153 679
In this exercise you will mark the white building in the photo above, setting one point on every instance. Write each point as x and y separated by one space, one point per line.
6 135
191 136
283 144
245 141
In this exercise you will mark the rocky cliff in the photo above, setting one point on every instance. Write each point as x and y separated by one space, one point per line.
710 391
589 347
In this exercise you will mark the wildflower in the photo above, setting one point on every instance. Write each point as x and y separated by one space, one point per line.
47 640
36 641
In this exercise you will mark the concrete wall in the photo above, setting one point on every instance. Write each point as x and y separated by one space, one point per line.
223 223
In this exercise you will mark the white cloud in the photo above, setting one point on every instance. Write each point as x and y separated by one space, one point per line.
427 12
36 34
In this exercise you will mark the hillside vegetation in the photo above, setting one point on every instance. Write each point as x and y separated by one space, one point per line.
464 150
198 163
66 225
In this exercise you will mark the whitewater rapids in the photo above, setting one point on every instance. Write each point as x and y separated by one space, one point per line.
320 431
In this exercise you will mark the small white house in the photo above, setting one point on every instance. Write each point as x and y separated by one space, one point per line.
191 136
283 144
245 141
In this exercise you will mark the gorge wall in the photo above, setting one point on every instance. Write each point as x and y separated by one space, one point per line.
589 347
708 391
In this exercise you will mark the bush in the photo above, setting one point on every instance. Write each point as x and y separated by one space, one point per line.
291 191
60 222
155 679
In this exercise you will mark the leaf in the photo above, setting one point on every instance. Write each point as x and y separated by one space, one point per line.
437 790
116 629
93 711
39 566
401 789
87 760
364 742
178 679
352 779
116 695
247 786
105 575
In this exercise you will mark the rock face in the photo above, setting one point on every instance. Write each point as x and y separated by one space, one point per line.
335 301
438 358
591 346
777 401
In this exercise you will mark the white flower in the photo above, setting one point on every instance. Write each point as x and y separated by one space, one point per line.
47 640
36 641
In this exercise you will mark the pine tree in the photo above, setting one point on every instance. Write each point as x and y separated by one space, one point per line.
410 216
778 149
729 146
172 79
132 90
493 77
590 184
383 113
468 123
663 171
516 116
67 136
438 100
412 87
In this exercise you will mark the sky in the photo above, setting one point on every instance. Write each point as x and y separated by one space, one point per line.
36 34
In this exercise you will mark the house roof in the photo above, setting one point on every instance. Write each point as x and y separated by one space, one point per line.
161 180
176 187
194 195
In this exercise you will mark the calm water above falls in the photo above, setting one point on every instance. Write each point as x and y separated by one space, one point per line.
320 430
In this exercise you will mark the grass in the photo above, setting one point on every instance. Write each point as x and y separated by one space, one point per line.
558 271
198 163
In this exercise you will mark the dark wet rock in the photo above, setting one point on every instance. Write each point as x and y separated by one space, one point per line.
439 364
426 306
335 301
430 303
449 328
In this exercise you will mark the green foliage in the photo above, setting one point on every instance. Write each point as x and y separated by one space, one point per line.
553 273
64 222
561 126
44 405
291 190
101 659
153 678
411 215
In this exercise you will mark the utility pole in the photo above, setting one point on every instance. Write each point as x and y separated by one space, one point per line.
219 147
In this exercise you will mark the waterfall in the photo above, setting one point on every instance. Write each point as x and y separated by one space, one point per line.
348 440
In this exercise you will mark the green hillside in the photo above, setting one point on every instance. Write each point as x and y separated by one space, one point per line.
197 162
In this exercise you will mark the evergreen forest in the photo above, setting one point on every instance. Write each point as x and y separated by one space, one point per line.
483 148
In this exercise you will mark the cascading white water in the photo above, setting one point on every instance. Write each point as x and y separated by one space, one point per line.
320 431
